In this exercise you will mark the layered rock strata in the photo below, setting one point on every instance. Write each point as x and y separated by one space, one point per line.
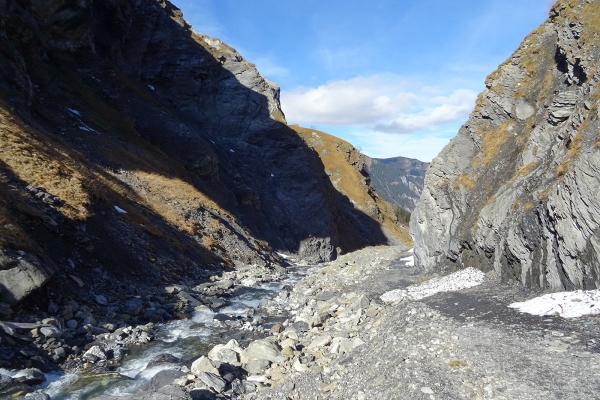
516 191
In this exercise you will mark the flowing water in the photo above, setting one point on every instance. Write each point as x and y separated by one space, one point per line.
185 339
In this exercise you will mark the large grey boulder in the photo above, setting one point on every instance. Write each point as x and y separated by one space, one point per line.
22 278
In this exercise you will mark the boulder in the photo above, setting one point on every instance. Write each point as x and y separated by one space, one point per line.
133 306
203 364
260 350
163 359
213 381
26 276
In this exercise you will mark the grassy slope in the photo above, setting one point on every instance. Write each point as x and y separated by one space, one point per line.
338 156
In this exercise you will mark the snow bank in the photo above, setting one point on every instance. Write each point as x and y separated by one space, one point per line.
566 304
409 261
463 279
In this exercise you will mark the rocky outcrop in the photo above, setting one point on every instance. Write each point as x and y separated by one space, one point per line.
399 180
134 146
516 191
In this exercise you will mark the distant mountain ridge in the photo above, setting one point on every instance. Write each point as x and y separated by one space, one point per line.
399 180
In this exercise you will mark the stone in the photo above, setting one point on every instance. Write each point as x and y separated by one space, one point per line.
257 366
164 378
325 296
213 381
94 354
523 110
163 359
50 332
277 328
260 350
203 364
222 354
23 279
101 300
320 341
31 376
226 284
133 306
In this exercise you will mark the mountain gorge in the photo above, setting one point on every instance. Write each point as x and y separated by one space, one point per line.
516 191
135 147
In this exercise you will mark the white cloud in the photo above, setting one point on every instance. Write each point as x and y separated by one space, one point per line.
380 105
385 145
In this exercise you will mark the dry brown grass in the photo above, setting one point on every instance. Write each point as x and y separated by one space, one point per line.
465 181
40 160
493 140
456 364
574 148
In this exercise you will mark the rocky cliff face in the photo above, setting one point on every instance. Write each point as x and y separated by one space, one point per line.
399 180
133 146
516 191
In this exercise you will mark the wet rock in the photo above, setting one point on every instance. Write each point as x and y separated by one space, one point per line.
163 359
164 378
94 354
31 377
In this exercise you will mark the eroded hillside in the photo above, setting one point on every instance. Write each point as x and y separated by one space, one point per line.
134 146
516 191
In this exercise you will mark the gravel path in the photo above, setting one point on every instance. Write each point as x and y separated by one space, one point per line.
451 345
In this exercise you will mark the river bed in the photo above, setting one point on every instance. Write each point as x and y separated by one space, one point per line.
185 339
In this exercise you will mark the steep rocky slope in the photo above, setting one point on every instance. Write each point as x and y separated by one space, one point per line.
516 190
398 180
347 170
135 149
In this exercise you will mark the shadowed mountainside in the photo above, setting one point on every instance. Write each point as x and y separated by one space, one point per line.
135 146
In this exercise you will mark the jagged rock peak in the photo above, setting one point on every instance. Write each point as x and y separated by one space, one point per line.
516 191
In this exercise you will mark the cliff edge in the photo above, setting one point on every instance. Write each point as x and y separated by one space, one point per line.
516 191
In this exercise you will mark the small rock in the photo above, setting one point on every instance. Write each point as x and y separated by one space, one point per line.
31 377
133 306
426 390
277 328
163 359
101 300
50 332
93 354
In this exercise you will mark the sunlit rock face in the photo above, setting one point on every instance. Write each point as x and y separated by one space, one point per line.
516 191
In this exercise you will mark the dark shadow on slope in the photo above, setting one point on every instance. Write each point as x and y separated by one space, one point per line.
150 98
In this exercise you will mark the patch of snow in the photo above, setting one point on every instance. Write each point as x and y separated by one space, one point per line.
566 304
73 111
411 250
151 87
462 279
120 210
272 176
285 257
409 261
231 150
86 128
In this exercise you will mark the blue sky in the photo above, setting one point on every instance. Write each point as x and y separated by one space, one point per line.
394 78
